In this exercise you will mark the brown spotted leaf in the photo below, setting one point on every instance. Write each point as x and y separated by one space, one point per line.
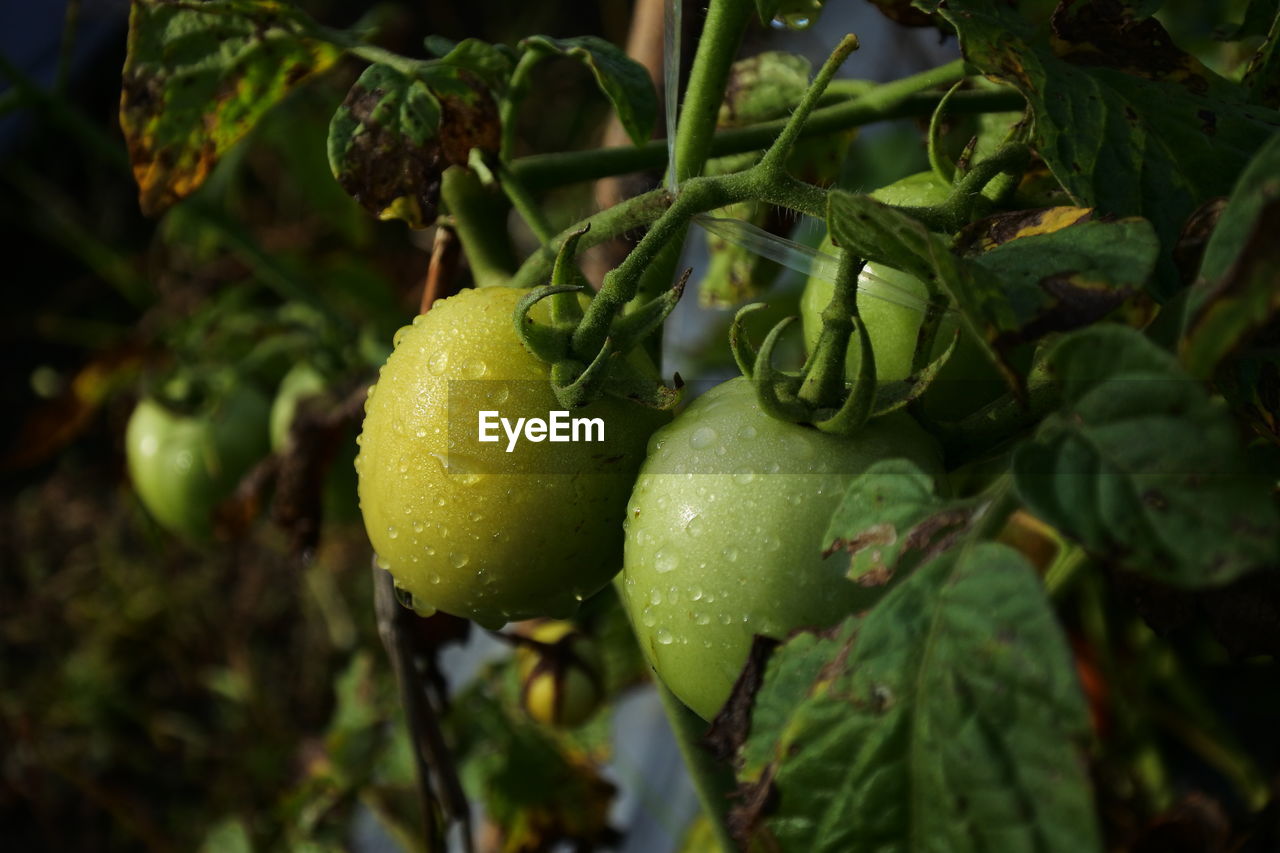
1041 272
198 76
1144 469
1237 291
1126 121
891 513
396 133
948 717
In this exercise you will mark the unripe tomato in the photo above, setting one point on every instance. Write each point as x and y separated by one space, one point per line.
339 491
891 306
184 465
467 527
562 685
725 534
302 381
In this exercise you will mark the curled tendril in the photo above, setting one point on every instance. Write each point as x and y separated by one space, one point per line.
580 378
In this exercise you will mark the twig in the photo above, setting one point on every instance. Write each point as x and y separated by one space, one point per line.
441 280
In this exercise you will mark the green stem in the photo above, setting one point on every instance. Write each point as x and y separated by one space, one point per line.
480 221
510 106
824 381
775 159
903 98
524 203
634 213
717 48
712 781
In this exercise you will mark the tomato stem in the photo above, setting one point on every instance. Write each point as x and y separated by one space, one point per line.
712 63
480 222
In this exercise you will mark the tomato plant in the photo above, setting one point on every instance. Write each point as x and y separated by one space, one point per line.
184 464
1071 312
725 535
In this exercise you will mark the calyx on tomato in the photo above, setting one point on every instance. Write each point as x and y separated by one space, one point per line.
891 304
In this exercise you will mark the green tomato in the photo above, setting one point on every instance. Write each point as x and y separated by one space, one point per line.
183 466
562 685
725 534
468 527
890 303
339 490
302 381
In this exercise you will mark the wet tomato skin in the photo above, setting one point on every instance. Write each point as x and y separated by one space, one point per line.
467 527
725 534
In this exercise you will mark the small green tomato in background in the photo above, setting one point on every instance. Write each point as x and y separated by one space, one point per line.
184 465
302 381
725 534
563 684
891 304
468 527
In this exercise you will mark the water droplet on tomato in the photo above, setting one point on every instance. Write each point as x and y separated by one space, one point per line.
392 533
438 363
458 560
474 368
665 560
730 554
665 637
702 438
696 526
743 476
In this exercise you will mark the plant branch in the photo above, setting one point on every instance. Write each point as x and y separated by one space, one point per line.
717 47
525 204
712 782
510 105
479 218
900 99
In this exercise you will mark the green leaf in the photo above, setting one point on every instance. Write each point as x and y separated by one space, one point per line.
539 789
1237 291
1143 469
624 81
891 511
1039 272
1262 77
1072 275
198 76
227 836
948 718
1126 121
492 63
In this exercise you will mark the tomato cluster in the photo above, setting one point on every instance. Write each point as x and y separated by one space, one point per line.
714 534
